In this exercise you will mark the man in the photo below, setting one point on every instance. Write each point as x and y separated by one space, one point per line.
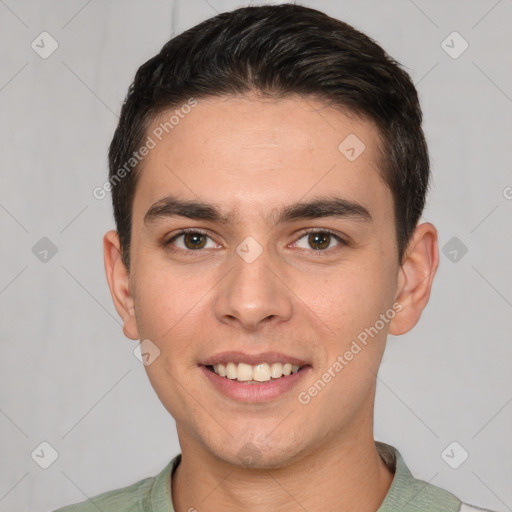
268 174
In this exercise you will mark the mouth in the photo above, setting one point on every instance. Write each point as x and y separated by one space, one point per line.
254 374
253 378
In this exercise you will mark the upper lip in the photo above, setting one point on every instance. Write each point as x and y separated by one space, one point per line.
252 359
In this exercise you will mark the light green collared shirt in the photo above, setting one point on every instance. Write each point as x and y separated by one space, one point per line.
406 494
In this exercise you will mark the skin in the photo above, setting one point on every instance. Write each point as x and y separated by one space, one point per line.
250 157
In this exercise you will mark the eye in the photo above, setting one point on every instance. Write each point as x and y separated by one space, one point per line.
191 241
319 240
194 240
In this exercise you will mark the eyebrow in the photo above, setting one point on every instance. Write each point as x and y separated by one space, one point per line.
318 207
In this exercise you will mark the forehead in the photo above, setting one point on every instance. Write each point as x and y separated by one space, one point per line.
248 153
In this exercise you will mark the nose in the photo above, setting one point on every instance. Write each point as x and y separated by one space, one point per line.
253 294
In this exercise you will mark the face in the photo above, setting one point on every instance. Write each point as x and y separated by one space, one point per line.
288 256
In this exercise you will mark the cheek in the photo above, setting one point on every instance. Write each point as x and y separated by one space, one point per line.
350 299
169 312
165 302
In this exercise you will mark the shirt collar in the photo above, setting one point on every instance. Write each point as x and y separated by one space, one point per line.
408 493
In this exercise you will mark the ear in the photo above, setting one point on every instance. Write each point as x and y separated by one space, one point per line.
415 278
118 279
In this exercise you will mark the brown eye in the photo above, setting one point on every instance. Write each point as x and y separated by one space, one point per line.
319 240
194 240
191 241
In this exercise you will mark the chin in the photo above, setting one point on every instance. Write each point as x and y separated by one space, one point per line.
259 453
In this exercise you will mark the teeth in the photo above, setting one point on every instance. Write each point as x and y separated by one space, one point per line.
259 373
287 369
231 372
244 372
276 370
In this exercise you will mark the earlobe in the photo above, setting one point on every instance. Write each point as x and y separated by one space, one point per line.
118 279
415 278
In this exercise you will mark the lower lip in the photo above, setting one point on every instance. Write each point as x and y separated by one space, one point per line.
262 392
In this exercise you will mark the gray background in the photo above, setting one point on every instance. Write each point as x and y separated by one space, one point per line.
69 377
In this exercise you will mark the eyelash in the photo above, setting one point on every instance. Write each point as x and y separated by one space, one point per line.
340 240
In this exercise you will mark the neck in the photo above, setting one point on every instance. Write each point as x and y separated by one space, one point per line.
338 475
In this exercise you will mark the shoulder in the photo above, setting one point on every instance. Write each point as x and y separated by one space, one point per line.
464 507
149 494
127 499
413 495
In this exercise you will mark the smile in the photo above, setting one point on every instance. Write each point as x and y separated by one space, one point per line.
255 374
240 382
